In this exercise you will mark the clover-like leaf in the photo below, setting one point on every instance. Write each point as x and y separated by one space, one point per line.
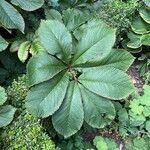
145 99
29 5
10 17
147 126
146 111
6 115
135 106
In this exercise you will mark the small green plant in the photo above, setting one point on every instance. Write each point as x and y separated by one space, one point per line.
76 81
136 120
26 133
137 143
6 112
102 143
140 30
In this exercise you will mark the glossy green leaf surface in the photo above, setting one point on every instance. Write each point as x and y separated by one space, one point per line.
3 44
145 14
69 118
94 43
6 115
98 111
139 26
107 82
44 99
43 67
29 5
23 51
55 38
10 17
3 95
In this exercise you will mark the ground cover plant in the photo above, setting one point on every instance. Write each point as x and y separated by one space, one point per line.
74 75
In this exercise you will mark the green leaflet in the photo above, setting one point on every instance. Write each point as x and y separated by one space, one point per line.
69 118
3 95
10 17
139 26
145 99
56 39
147 2
73 18
145 40
135 40
117 58
3 44
6 115
29 5
145 14
94 43
107 82
98 111
44 99
23 51
43 67
53 15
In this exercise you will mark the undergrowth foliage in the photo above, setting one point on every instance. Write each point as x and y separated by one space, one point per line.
75 82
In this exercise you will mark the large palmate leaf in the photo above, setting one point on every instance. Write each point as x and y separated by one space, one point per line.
6 115
98 110
108 82
43 67
94 44
3 44
28 5
55 38
10 17
44 99
69 118
78 88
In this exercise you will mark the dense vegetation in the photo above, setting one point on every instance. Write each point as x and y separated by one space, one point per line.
74 74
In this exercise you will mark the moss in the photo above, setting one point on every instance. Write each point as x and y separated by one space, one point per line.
26 133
